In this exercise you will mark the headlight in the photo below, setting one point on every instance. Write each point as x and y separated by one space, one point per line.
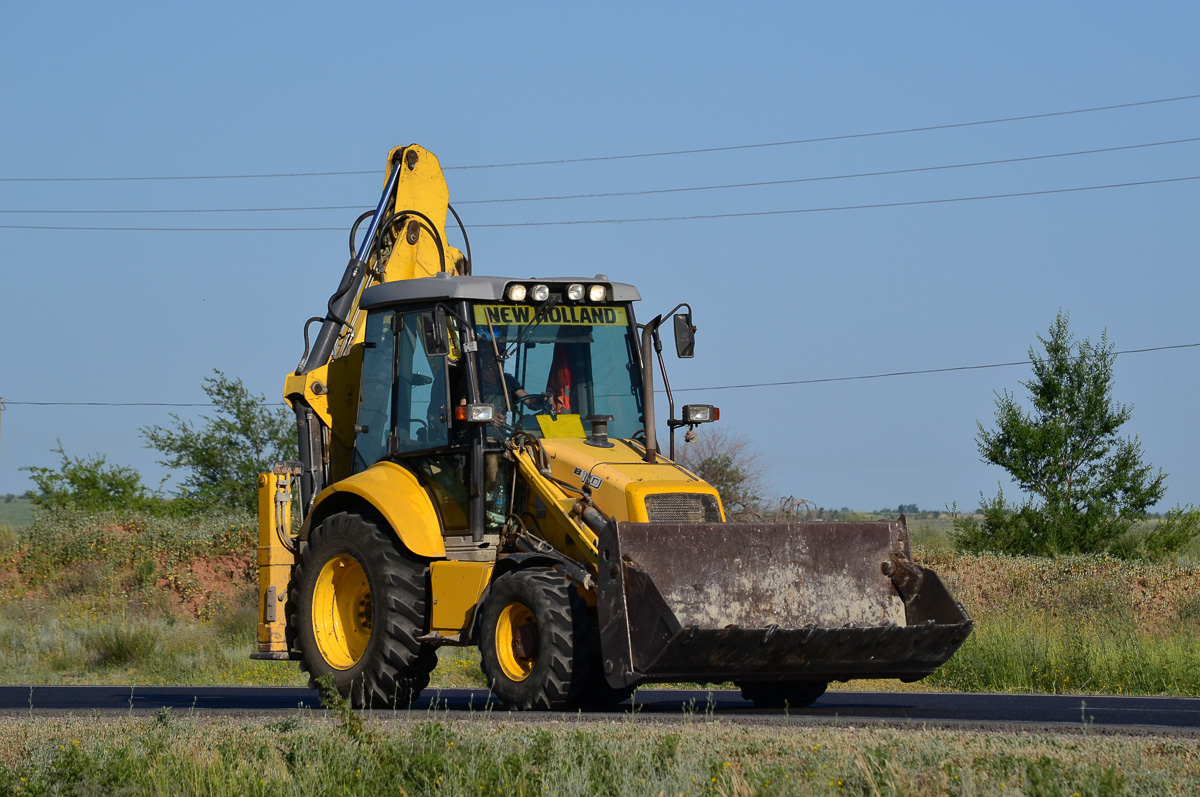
700 413
516 293
540 293
480 413
575 292
597 293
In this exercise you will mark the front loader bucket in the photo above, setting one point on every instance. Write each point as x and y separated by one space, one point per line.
716 602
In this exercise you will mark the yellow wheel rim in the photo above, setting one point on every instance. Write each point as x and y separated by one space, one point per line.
341 612
516 641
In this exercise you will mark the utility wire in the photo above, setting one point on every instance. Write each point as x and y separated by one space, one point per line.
911 373
824 380
52 211
645 192
876 205
845 137
794 180
743 214
115 403
659 154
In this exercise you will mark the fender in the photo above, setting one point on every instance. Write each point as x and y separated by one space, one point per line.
394 492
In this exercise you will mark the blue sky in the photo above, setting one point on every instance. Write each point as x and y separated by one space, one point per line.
160 89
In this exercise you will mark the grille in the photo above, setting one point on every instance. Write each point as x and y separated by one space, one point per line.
682 508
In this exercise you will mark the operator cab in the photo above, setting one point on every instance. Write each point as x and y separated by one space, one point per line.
456 367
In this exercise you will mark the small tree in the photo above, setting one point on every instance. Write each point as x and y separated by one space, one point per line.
87 483
225 455
728 464
1087 486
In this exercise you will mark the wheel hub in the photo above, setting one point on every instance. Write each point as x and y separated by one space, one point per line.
516 641
341 612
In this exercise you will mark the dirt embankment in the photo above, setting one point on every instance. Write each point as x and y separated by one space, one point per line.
209 583
1158 597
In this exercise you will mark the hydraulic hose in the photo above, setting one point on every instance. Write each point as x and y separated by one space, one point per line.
437 238
343 298
466 240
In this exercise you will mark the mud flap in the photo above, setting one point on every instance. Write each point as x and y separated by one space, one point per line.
718 602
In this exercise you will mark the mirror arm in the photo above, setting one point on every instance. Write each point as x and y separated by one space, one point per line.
676 307
648 388
662 367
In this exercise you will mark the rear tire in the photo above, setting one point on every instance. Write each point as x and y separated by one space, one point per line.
361 601
533 640
786 694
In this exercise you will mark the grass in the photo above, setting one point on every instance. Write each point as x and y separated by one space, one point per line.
932 534
118 600
15 510
1074 624
1017 655
431 754
115 599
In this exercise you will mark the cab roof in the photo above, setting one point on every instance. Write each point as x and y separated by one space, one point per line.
481 288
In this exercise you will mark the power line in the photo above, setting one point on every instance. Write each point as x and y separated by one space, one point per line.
794 180
910 373
110 212
822 139
645 192
643 219
872 206
889 374
595 158
268 175
114 403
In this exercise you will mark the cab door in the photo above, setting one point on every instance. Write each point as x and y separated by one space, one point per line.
405 412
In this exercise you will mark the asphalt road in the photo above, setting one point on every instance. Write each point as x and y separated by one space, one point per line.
1070 713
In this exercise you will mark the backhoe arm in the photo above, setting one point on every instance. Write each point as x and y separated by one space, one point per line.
404 239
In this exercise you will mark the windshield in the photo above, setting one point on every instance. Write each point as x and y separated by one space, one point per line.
572 362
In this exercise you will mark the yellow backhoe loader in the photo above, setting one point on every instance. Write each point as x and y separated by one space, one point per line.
479 465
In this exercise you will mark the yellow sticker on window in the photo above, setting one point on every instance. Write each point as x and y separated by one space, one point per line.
562 426
566 315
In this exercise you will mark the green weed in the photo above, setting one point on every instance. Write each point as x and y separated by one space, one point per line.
116 644
9 539
110 598
309 754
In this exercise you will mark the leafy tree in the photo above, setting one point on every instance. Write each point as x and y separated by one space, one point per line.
1086 486
87 483
728 464
225 454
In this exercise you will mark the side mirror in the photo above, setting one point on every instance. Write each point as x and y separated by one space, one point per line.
685 336
435 336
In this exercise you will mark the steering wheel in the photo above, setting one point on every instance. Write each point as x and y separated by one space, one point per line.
546 407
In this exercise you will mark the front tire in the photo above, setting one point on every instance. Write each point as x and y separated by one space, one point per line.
533 640
361 601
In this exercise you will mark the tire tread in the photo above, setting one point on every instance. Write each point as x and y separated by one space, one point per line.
398 667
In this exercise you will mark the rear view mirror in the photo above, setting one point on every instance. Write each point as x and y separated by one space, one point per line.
435 337
685 336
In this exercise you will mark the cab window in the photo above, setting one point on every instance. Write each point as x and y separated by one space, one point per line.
402 399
